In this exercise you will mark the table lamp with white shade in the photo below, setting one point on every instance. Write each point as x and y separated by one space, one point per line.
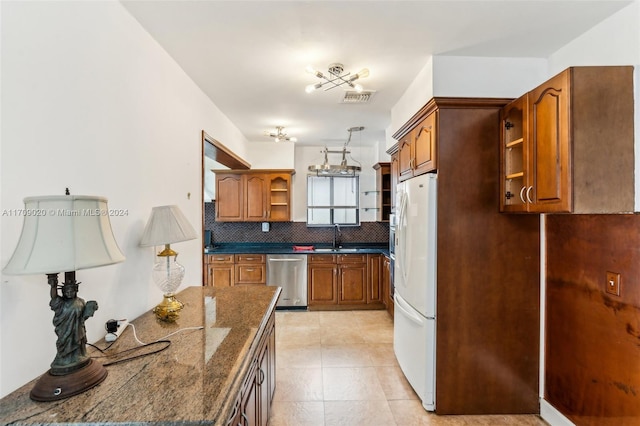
167 225
64 234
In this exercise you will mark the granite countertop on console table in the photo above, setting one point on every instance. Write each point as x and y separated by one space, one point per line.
195 381
288 248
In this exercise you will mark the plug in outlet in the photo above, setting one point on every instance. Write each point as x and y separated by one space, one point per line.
613 283
112 336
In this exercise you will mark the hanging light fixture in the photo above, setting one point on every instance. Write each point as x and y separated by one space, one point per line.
336 77
280 135
327 169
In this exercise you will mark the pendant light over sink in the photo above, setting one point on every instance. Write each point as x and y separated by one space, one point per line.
327 169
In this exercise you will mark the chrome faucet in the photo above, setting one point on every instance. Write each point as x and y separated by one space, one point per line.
336 236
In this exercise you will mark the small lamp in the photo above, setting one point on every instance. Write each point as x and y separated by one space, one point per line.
167 225
64 234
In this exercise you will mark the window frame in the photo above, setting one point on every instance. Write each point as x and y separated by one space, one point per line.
332 208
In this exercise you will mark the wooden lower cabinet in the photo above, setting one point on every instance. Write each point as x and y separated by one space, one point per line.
375 281
322 284
250 269
352 283
253 405
344 281
219 270
224 270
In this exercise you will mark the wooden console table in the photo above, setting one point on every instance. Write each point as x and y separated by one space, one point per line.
214 375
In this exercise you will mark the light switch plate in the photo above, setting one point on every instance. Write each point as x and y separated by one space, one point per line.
265 226
613 283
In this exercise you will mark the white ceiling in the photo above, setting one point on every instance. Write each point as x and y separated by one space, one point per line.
250 57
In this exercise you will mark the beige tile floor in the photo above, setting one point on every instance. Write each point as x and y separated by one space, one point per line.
338 368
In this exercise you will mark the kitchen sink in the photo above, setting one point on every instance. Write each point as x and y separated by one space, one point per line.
339 250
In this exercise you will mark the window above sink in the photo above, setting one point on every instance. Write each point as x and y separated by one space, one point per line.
333 200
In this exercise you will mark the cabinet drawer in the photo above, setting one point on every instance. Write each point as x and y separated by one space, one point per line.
250 258
251 274
219 258
321 258
352 258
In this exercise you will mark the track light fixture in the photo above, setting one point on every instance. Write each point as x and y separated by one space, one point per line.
336 77
280 135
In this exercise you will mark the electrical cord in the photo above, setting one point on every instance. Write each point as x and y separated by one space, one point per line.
163 341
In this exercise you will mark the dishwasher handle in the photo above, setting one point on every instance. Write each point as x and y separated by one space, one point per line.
286 260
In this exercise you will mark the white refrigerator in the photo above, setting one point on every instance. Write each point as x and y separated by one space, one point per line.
415 284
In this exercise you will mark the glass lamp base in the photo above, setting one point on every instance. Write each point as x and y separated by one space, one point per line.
169 308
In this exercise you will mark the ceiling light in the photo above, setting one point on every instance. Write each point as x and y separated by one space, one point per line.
280 135
327 169
336 77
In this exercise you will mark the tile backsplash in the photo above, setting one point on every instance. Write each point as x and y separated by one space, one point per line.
293 232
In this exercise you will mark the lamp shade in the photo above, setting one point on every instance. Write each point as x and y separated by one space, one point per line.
64 233
167 225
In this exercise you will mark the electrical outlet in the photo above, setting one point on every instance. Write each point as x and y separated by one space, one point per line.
113 335
613 283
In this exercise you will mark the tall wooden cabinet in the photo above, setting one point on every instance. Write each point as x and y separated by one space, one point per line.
488 268
253 195
567 145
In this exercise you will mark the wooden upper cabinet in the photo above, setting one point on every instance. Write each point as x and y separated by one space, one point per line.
405 157
417 148
253 195
549 160
255 200
514 156
424 145
279 197
229 197
567 145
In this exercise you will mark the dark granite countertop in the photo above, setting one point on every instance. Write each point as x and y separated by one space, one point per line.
288 248
193 382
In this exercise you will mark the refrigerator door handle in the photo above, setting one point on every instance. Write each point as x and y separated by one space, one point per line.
401 237
406 310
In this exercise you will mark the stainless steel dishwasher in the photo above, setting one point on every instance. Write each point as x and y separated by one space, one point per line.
289 271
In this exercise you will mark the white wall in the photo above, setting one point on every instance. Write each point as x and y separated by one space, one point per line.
91 102
466 76
417 94
271 155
